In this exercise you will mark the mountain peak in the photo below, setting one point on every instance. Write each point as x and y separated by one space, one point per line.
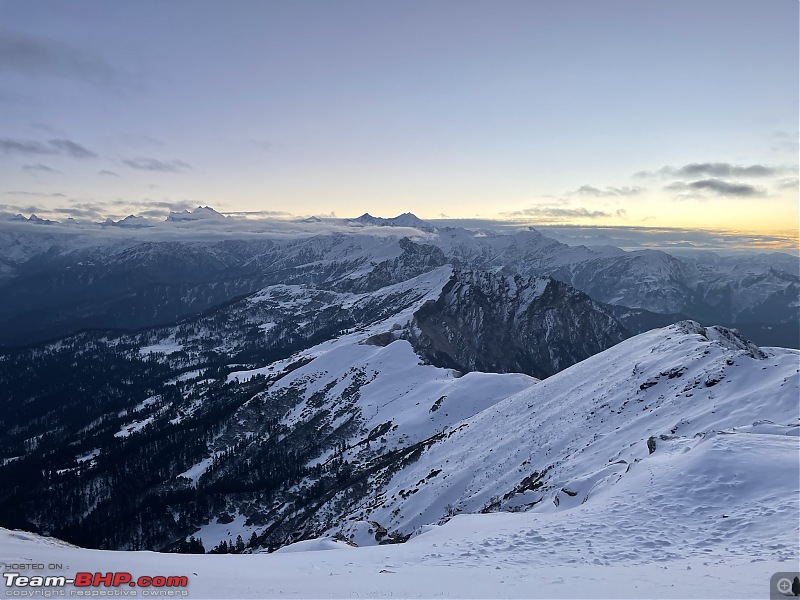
34 219
199 213
131 221
406 219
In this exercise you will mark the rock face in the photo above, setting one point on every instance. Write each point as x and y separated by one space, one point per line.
508 323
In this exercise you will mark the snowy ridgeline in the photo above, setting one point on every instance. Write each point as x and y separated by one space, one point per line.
666 466
678 426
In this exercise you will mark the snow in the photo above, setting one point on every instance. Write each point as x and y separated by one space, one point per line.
195 471
200 213
143 404
167 347
720 488
134 427
419 289
476 556
708 517
242 376
314 545
574 436
187 376
88 456
669 466
402 389
586 428
215 532
186 411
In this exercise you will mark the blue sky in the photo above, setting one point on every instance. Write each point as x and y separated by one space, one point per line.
595 113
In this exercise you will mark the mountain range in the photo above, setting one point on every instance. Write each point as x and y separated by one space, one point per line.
242 395
58 279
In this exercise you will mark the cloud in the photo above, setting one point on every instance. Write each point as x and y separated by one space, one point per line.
262 213
622 213
724 170
712 169
39 168
788 183
72 149
24 147
153 164
38 56
61 146
98 210
691 196
718 186
165 206
627 236
555 213
18 208
152 213
78 211
670 239
36 194
588 190
107 173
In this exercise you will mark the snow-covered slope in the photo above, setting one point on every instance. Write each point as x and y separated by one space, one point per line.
665 466
679 397
710 518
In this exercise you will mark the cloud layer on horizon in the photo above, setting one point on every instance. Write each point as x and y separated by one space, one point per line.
281 226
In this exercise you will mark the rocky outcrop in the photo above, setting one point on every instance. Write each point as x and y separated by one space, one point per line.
508 323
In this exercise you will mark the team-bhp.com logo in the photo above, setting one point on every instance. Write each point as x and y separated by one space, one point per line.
95 584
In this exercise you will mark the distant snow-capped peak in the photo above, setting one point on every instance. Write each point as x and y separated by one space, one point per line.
199 213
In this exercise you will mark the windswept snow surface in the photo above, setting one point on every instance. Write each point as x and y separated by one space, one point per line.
475 556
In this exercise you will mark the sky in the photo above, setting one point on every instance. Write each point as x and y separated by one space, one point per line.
678 114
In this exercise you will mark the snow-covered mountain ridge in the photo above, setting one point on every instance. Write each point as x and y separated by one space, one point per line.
288 379
665 466
365 385
356 434
59 278
579 433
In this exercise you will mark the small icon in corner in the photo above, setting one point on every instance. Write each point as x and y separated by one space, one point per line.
784 585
